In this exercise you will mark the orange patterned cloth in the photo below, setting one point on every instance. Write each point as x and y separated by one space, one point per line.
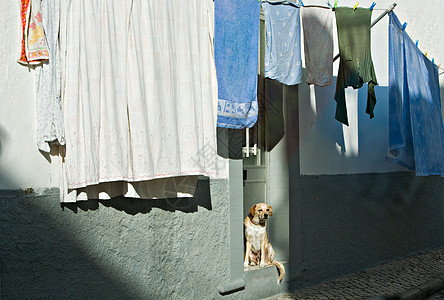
34 48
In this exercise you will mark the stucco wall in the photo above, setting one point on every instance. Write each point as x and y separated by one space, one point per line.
353 222
117 249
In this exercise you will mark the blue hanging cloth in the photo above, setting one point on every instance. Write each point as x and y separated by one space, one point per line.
283 42
416 131
236 39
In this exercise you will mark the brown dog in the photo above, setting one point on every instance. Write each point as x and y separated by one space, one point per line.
258 251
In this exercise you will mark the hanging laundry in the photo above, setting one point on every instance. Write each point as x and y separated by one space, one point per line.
356 65
236 42
416 132
140 93
33 46
317 24
283 42
50 127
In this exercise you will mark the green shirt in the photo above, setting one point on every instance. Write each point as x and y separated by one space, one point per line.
356 65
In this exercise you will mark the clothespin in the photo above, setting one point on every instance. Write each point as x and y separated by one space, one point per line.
417 42
373 5
404 26
356 5
328 3
336 3
425 54
302 3
433 61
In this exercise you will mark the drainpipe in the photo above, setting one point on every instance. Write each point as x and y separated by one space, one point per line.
237 282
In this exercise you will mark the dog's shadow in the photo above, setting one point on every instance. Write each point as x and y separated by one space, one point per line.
132 206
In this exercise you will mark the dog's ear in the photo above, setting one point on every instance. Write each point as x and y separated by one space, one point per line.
270 212
253 210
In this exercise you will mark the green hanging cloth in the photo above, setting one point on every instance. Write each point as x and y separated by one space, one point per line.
356 65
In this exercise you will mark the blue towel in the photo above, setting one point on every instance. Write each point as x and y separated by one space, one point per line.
416 131
236 38
283 42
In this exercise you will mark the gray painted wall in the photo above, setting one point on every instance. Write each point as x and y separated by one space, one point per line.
180 249
352 222
116 249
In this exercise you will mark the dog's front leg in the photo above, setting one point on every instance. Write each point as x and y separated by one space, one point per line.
247 253
263 254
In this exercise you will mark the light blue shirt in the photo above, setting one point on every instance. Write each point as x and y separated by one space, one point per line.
283 42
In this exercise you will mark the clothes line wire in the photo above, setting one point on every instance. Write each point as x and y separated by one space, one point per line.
281 2
389 9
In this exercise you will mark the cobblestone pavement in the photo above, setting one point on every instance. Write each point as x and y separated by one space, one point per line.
415 277
437 296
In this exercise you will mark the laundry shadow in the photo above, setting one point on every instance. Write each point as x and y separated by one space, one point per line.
6 180
318 125
2 140
268 130
133 206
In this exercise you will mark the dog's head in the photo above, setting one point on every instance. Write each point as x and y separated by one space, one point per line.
260 212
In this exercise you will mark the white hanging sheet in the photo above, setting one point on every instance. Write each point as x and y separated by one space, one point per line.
139 97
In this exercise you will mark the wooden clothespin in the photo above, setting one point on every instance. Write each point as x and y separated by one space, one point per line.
425 54
356 5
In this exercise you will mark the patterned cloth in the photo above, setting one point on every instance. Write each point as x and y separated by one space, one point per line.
236 42
283 43
416 131
34 49
318 44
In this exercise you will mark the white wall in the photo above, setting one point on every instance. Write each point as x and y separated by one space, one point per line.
21 163
328 147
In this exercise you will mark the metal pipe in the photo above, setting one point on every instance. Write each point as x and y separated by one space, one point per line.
389 9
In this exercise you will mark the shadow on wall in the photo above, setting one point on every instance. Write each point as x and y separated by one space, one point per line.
40 256
5 180
133 206
269 128
318 115
124 249
329 147
2 140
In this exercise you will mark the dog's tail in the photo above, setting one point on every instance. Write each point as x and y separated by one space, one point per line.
280 267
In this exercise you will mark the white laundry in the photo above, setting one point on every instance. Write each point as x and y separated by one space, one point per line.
317 23
139 97
50 128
